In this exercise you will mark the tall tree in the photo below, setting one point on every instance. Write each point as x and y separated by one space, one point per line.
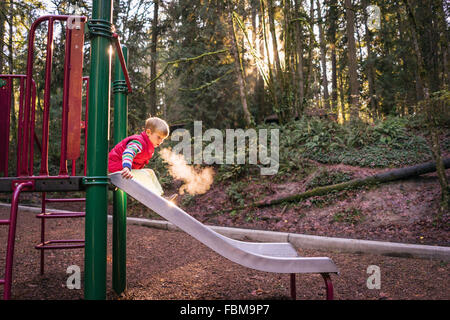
258 44
323 57
238 67
352 61
133 23
419 58
332 29
272 81
154 44
369 66
434 106
442 15
311 46
273 35
300 61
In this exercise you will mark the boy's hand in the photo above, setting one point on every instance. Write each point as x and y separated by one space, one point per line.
126 173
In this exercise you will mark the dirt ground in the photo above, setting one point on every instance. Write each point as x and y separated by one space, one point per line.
168 265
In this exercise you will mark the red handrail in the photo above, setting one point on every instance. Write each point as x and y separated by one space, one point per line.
48 68
24 133
122 60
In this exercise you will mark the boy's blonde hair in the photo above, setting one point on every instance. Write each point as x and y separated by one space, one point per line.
158 125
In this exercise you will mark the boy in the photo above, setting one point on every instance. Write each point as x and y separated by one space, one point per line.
135 151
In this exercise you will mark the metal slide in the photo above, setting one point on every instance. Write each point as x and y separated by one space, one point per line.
270 257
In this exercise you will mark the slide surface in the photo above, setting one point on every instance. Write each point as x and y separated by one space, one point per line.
270 257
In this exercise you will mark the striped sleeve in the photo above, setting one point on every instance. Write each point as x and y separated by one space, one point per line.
132 149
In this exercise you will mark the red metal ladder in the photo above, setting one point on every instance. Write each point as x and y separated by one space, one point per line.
58 243
70 138
73 126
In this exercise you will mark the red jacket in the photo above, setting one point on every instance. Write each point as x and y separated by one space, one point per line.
139 161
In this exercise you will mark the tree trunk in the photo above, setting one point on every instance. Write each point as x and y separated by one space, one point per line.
289 60
300 62
309 77
238 70
406 66
393 175
369 68
255 68
420 72
260 85
332 34
427 18
278 82
353 75
259 81
440 168
420 85
323 58
445 40
153 97
341 96
273 32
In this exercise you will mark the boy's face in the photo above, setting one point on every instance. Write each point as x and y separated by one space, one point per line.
155 137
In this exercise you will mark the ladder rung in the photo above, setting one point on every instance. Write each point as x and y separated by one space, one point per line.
66 200
63 244
56 215
4 222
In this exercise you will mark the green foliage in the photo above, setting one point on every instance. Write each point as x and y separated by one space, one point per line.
435 111
251 217
235 193
187 200
325 178
390 132
323 201
231 172
350 216
193 29
382 144
388 143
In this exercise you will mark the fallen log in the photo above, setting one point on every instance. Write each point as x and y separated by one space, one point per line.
392 175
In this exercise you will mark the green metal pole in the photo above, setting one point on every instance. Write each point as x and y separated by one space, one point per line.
120 91
97 157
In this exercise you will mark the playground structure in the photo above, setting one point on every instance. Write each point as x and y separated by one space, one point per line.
26 138
94 181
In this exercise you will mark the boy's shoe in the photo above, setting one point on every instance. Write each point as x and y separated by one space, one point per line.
172 198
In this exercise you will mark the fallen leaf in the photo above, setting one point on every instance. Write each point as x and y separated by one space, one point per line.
257 292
